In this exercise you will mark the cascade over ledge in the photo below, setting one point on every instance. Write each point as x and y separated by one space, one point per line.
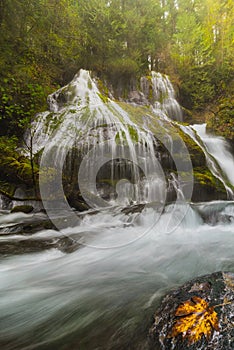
81 117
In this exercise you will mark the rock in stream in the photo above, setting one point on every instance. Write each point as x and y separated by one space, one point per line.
215 289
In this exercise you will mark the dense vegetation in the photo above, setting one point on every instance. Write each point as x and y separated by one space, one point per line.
44 42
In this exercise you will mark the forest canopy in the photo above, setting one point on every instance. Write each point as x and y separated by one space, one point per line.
45 42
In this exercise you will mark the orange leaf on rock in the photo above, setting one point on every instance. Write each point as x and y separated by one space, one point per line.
194 318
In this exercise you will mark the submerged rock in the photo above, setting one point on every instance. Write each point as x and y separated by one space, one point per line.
217 290
35 245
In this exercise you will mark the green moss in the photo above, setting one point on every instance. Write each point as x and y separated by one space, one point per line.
90 84
87 98
22 208
204 177
150 95
56 121
85 114
104 98
196 154
136 113
121 135
53 120
73 111
7 188
133 133
102 88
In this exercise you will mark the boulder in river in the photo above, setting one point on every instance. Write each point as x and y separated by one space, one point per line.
204 309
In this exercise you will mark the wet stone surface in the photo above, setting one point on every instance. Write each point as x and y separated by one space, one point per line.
215 289
24 246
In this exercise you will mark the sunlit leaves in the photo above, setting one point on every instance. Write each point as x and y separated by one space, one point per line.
195 318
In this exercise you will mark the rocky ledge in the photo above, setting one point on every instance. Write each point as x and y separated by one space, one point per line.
199 315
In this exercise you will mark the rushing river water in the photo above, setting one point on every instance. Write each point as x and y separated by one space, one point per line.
99 297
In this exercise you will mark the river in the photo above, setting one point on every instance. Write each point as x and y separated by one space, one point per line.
103 295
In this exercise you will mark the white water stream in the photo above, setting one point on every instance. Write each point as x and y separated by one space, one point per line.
165 104
96 298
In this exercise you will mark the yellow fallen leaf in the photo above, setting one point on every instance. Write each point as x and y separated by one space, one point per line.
194 318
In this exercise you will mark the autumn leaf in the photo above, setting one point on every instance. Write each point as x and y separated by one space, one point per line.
194 318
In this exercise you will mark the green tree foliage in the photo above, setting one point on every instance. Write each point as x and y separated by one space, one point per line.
44 42
14 167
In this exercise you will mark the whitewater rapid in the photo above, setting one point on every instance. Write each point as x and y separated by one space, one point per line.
99 297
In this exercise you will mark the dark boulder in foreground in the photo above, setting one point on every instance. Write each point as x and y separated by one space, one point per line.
181 310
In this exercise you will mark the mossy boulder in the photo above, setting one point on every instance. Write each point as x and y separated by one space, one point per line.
206 186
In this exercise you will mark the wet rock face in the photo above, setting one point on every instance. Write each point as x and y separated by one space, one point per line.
217 290
137 97
22 208
26 246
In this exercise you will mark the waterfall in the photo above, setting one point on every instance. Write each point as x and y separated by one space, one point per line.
109 152
213 155
218 147
163 96
84 124
82 94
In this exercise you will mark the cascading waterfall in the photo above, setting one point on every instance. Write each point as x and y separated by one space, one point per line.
85 127
214 164
165 103
81 118
83 124
218 147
